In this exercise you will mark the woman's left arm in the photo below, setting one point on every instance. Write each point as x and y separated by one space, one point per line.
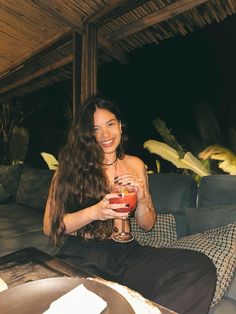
145 213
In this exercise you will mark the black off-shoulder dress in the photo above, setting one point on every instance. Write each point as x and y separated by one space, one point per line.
181 280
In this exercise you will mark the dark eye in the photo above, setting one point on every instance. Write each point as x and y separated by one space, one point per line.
111 123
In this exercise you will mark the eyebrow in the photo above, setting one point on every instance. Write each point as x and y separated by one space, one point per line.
113 119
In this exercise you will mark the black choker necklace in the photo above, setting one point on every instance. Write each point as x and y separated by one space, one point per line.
110 163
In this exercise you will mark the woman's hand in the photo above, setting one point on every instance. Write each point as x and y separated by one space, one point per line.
129 179
145 214
103 210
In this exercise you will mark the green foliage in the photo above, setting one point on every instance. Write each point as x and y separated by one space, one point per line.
18 145
226 158
14 137
168 137
50 160
175 152
189 161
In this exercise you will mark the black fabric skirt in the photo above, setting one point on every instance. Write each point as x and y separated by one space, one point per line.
181 280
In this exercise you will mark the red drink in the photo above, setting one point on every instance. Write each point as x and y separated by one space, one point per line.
126 198
129 196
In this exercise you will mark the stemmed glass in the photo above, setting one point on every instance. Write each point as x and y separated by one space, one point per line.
128 196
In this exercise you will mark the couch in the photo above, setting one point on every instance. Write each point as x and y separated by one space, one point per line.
199 217
23 194
204 215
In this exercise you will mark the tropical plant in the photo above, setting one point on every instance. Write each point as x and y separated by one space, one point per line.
209 133
174 152
14 137
227 159
50 160
18 145
188 161
168 137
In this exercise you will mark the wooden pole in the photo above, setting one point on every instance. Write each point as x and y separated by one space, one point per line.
89 62
77 61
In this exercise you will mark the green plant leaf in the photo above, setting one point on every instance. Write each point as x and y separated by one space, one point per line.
227 159
50 160
167 136
18 144
189 161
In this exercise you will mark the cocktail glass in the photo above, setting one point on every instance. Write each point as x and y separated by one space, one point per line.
128 196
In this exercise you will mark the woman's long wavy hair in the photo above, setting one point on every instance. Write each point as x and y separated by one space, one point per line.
80 180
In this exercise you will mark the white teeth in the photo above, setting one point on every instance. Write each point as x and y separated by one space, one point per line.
107 142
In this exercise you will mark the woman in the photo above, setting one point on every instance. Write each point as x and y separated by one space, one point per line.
80 219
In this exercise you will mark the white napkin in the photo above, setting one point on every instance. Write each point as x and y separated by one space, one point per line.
3 285
78 300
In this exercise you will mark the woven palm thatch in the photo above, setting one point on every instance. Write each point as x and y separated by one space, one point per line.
37 36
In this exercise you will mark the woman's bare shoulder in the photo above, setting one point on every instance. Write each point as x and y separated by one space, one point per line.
134 161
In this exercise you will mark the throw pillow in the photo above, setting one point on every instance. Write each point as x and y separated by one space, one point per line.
219 245
210 217
181 225
4 196
183 191
217 189
163 234
34 187
10 179
4 169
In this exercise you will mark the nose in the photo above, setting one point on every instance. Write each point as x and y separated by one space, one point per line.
105 132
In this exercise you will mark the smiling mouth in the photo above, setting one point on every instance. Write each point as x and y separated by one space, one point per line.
107 143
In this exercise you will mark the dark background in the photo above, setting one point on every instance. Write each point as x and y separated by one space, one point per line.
167 81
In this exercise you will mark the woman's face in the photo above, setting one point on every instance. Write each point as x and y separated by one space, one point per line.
107 130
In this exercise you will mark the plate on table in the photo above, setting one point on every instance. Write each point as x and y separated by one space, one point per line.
36 296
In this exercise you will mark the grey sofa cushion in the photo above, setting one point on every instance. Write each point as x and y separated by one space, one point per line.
231 292
10 178
3 169
225 306
217 190
21 227
181 225
172 192
4 195
16 220
34 238
34 187
210 217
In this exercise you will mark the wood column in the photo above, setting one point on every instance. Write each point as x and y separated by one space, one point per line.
77 61
89 62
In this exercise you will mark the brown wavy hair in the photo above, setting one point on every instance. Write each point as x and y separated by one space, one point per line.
80 180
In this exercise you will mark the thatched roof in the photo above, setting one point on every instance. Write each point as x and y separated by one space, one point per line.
36 36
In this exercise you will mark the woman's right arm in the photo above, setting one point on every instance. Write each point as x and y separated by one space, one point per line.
76 220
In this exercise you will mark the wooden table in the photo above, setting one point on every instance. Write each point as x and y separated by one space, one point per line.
31 264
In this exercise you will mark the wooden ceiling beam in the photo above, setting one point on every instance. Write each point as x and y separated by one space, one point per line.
159 16
49 46
112 10
115 52
58 64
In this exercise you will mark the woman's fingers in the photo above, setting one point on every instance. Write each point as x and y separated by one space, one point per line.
128 180
108 210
